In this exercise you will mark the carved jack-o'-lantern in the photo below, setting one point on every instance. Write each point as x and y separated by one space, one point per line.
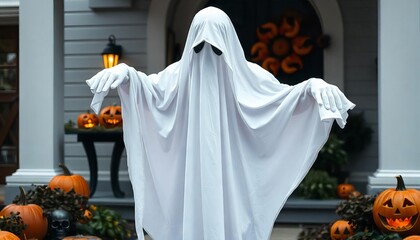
111 117
87 120
397 210
344 190
267 31
341 230
259 51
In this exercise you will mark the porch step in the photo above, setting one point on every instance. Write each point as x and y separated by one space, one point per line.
295 211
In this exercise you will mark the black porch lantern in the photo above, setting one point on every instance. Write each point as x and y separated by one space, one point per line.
111 53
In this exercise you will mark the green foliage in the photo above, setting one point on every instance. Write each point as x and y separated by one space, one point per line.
332 156
356 135
315 233
106 223
12 223
374 235
318 185
343 142
52 199
358 211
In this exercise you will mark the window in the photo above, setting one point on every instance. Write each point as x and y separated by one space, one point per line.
9 96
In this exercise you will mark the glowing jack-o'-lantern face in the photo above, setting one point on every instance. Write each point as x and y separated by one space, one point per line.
341 230
87 120
111 117
397 210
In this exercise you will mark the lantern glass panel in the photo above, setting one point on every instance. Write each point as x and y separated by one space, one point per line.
110 60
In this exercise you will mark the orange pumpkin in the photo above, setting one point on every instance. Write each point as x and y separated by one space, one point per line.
272 65
414 237
5 235
69 181
302 45
397 210
344 190
259 52
87 120
81 237
291 64
111 117
267 31
341 230
31 214
280 46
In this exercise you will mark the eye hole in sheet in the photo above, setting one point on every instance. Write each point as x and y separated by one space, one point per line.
200 46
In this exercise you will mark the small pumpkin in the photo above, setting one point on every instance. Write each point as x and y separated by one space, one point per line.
267 31
31 214
272 65
341 230
111 117
291 64
413 237
87 216
68 181
344 190
87 120
82 237
259 51
5 235
397 210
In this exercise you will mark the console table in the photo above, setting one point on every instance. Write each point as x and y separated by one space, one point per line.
88 137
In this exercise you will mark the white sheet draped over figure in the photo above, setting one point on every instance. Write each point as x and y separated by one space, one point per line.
216 144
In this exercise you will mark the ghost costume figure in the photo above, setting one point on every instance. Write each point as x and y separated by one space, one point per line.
215 144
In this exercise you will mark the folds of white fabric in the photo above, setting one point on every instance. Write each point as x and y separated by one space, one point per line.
215 144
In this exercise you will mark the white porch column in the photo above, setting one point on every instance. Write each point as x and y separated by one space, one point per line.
41 129
399 94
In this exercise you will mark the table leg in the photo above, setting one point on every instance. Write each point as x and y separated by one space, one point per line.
93 165
115 166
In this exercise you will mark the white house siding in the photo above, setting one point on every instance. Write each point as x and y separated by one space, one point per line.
360 19
85 36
